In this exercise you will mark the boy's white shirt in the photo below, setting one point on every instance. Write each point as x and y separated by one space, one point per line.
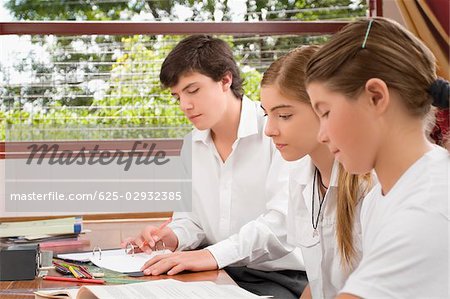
239 206
406 235
321 255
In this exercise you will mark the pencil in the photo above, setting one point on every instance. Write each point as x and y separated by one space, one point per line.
85 272
75 273
70 279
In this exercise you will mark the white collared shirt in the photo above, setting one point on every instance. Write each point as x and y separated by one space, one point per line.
406 235
226 196
322 260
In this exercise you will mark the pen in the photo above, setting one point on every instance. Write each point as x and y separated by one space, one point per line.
70 279
163 225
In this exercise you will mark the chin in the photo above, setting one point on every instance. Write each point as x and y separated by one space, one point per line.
356 169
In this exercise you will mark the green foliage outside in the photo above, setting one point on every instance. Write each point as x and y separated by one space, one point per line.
128 110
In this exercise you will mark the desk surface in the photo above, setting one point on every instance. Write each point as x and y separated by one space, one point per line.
106 234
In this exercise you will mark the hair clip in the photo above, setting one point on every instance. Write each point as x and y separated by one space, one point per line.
367 34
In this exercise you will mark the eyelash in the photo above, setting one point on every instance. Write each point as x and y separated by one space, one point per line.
325 114
285 117
194 91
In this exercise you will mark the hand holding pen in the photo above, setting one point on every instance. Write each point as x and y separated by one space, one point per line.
153 238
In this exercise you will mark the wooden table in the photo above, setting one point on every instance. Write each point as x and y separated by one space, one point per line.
106 234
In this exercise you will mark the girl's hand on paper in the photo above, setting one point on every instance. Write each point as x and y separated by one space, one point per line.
174 263
148 239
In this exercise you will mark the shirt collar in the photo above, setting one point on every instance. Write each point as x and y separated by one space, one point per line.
248 123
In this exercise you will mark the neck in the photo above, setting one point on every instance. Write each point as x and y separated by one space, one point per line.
323 160
396 155
226 129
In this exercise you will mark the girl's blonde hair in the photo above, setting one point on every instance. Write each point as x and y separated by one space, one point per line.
387 51
288 75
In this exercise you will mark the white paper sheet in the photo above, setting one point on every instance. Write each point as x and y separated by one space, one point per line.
123 262
115 259
85 256
168 289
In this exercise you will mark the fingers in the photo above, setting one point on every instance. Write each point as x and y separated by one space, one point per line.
127 241
161 264
153 235
174 263
130 241
142 245
148 236
177 269
152 261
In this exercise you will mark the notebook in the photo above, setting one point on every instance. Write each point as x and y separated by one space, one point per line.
116 259
167 289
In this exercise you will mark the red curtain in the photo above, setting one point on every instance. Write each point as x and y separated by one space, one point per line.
429 20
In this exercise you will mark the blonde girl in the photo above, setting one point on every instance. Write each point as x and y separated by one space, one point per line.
323 212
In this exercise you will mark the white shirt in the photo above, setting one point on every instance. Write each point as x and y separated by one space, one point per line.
251 184
326 276
406 235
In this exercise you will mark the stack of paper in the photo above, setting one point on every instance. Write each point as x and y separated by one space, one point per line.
68 225
48 233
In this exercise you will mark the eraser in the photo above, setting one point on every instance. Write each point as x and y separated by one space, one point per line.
98 274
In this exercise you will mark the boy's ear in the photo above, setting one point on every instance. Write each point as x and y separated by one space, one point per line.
378 93
227 80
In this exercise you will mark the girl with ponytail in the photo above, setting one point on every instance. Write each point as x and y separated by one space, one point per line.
372 86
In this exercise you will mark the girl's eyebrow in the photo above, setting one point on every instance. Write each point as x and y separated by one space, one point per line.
278 107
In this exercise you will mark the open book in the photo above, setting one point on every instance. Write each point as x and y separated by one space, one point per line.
167 289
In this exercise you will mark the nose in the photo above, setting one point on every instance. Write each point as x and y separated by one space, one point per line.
185 104
271 129
322 136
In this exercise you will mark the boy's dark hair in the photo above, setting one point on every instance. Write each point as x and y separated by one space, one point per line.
204 54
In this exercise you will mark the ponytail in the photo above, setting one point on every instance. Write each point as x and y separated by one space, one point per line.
351 190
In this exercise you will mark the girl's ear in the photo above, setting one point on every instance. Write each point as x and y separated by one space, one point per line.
226 81
378 93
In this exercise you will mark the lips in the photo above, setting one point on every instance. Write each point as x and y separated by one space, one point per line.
280 146
334 151
192 117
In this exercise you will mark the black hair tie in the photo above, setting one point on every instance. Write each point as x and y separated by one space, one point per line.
440 91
